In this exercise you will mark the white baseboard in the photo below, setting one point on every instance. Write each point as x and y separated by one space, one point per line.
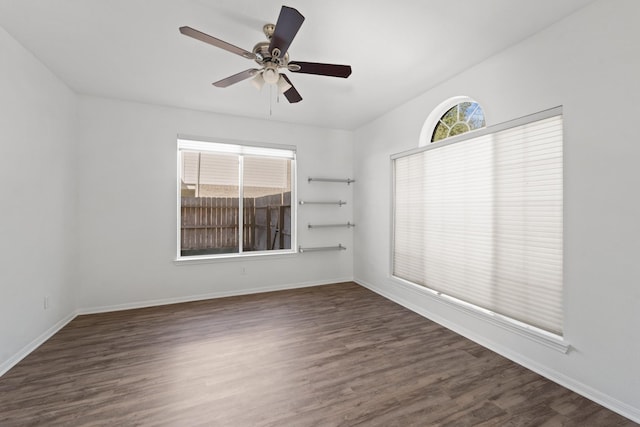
213 295
26 350
572 384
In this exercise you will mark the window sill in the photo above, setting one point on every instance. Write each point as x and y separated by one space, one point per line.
205 259
548 339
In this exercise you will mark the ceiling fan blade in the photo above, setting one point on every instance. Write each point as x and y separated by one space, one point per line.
243 75
332 70
199 35
292 94
289 22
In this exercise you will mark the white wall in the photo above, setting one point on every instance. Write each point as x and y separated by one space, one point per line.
127 206
37 201
588 63
123 221
88 202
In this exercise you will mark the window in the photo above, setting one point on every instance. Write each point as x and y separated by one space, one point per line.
234 199
479 219
459 119
452 117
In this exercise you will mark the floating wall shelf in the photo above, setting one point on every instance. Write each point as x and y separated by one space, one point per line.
344 180
348 225
323 248
339 203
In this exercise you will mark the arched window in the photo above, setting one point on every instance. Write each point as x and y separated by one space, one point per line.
459 119
453 117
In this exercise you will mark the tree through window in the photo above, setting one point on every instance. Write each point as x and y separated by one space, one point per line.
461 118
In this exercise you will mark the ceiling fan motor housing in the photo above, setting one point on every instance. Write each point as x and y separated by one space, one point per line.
261 50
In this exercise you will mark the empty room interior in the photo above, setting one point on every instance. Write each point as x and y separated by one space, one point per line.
250 213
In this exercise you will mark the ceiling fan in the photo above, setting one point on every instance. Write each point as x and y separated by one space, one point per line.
273 56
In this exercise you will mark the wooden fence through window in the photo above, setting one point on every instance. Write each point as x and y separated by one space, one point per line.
210 225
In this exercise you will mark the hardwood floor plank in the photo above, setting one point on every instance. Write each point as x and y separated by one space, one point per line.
335 355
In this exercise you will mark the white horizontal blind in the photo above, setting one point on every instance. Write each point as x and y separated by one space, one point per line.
208 168
232 148
222 169
481 220
267 172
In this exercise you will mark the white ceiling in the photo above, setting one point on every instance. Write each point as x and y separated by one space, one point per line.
132 50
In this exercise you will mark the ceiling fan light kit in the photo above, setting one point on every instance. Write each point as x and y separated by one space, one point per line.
272 56
258 81
270 73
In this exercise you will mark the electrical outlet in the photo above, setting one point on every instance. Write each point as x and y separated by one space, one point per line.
46 303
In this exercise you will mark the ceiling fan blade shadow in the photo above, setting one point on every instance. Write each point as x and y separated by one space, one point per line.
289 22
199 35
243 75
332 70
291 94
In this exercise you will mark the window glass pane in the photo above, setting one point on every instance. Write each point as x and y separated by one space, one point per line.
458 129
464 110
462 118
267 203
474 116
450 117
209 203
440 132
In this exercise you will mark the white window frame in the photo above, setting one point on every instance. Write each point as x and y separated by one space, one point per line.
227 146
549 339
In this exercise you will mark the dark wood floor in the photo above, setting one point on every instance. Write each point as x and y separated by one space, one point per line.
325 356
